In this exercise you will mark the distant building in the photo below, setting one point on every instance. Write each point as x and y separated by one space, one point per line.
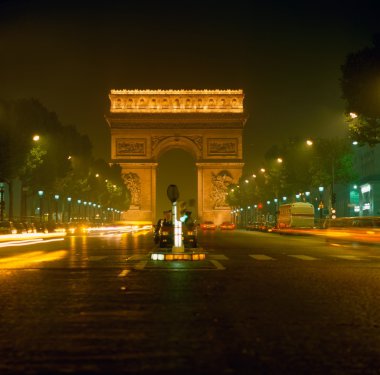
367 163
365 195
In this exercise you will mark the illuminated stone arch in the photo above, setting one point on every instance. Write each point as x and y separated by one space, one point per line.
207 124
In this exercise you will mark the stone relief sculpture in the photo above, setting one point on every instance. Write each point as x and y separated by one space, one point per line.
219 188
222 146
133 183
130 147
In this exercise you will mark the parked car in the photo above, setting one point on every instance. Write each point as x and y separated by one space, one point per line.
21 228
208 225
253 226
7 227
227 225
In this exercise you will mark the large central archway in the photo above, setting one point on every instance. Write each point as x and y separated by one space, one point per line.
176 166
208 124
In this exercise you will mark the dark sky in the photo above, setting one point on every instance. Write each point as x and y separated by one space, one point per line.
285 55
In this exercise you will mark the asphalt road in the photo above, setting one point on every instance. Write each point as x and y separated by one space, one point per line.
259 304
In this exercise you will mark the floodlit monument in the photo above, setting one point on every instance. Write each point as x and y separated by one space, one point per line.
208 124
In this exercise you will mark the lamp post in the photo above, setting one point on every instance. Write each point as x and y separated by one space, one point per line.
69 208
56 197
41 195
79 202
307 194
321 205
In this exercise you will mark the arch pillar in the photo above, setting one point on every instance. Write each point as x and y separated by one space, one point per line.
141 179
213 181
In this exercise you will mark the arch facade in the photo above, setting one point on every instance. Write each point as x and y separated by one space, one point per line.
208 124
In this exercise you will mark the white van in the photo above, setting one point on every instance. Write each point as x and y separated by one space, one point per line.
296 215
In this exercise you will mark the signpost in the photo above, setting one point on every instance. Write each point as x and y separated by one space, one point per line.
173 195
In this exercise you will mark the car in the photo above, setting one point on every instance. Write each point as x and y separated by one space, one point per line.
189 233
227 225
208 225
7 227
21 228
165 235
253 226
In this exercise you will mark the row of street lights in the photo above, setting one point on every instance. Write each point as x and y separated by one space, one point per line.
87 205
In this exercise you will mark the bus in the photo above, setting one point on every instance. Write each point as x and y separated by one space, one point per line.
296 215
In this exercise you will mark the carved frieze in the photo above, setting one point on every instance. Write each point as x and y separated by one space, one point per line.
175 101
222 147
133 183
219 189
130 147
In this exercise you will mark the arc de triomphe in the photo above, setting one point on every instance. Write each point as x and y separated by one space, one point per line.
208 124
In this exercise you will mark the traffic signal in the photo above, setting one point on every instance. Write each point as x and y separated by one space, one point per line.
185 217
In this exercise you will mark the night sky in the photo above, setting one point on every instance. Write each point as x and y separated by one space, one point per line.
285 55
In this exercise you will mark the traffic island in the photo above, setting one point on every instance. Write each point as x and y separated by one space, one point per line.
169 255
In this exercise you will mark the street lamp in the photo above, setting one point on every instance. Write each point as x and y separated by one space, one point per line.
56 197
321 205
79 202
41 195
69 208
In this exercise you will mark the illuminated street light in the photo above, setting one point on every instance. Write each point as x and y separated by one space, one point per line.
353 115
254 176
56 197
36 138
41 195
262 170
355 143
279 160
69 199
309 142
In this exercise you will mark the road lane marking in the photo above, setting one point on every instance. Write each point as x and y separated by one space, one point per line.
137 257
347 257
261 257
217 265
303 257
123 273
217 257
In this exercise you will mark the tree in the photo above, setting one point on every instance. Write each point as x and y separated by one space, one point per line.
360 84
